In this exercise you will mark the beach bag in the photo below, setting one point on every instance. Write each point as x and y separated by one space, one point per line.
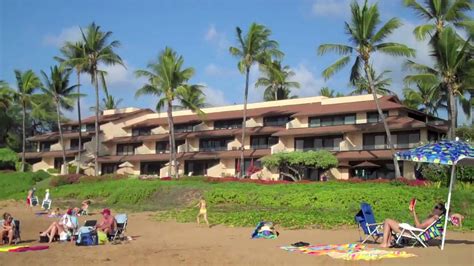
87 239
102 238
44 239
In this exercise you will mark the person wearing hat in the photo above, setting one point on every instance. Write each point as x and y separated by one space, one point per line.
108 223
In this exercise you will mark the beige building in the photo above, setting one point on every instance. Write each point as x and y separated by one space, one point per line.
136 141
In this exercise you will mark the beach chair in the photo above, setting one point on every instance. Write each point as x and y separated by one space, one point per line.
46 204
365 219
122 222
16 233
34 201
421 236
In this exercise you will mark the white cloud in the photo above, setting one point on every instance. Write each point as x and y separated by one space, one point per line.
330 8
71 34
215 70
309 84
122 78
216 38
214 97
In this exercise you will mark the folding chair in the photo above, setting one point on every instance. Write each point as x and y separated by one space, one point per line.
122 222
34 201
421 236
366 220
16 233
46 205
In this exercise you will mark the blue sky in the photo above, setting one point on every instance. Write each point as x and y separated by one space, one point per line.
32 31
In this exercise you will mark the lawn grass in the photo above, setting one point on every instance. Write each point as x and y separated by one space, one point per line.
328 204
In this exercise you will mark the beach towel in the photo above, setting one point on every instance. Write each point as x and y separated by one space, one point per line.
24 249
8 248
349 252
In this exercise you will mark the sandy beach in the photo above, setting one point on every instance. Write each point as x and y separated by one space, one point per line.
171 243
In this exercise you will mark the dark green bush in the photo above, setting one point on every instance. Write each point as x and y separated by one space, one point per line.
8 159
27 167
442 173
39 176
52 170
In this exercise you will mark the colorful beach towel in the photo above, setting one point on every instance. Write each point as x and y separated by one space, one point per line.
349 252
22 248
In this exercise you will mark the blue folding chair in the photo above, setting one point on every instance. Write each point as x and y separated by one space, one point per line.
365 218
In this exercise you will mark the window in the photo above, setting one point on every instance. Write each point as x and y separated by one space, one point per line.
257 165
316 143
88 128
433 136
228 124
151 168
164 146
109 168
407 139
262 142
374 141
59 161
336 120
126 149
373 117
46 145
216 144
75 143
401 140
188 127
275 121
141 131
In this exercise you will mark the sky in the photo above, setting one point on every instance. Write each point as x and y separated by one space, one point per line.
31 32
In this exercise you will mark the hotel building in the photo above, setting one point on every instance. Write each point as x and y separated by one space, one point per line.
136 141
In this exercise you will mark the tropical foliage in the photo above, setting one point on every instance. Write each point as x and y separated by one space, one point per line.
381 83
276 81
330 93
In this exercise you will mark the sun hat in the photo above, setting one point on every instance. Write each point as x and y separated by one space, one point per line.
105 211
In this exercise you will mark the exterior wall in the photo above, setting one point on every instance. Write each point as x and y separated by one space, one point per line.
146 148
409 170
424 135
46 163
56 147
361 118
353 141
393 112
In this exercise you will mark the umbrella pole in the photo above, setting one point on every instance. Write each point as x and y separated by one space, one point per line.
446 218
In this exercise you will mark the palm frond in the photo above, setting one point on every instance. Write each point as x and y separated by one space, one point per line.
336 66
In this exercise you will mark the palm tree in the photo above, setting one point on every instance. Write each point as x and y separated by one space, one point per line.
98 50
330 93
452 71
191 97
439 14
426 97
56 86
167 80
253 48
74 56
27 84
110 102
276 81
380 83
6 96
365 40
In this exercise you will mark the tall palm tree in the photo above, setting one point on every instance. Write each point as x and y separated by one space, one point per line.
191 97
110 102
439 14
27 83
276 81
74 56
452 71
167 80
6 96
330 93
255 47
56 86
426 97
366 39
380 83
99 50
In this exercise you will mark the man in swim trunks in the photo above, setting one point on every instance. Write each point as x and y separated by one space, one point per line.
202 210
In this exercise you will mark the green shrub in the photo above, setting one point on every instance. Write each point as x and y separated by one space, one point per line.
8 159
28 167
442 173
52 170
39 176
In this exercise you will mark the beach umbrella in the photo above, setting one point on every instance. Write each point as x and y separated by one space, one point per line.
445 152
366 164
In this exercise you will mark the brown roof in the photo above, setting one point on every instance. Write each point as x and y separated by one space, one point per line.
137 139
227 154
55 136
312 131
108 118
386 103
364 155
136 158
394 122
235 132
55 154
366 164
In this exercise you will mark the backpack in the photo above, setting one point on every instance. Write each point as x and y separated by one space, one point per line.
86 237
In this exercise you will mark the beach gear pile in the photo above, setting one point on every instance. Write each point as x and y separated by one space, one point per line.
348 252
264 230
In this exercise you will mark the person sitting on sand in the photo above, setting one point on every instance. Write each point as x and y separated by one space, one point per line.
202 210
84 207
65 224
108 223
391 226
8 228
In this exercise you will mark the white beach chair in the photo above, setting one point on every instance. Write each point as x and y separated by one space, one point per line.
418 235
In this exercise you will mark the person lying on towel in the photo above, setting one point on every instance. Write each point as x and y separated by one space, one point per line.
391 226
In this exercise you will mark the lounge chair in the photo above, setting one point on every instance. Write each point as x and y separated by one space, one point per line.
46 205
366 220
34 201
122 222
16 233
421 236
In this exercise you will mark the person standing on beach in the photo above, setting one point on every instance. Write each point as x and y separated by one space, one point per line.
202 211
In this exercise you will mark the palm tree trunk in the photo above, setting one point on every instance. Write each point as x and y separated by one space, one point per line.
276 92
452 116
382 117
61 139
244 120
78 164
174 163
24 137
96 152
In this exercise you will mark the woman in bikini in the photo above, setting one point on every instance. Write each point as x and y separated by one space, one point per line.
202 210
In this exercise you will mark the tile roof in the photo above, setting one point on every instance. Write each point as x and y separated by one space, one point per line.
108 118
364 155
55 136
55 154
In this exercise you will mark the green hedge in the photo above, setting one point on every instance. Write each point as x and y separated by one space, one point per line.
8 159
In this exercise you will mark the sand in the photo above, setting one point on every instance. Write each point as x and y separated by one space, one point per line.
171 243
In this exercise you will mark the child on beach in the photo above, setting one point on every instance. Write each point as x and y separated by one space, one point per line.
202 210
29 197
